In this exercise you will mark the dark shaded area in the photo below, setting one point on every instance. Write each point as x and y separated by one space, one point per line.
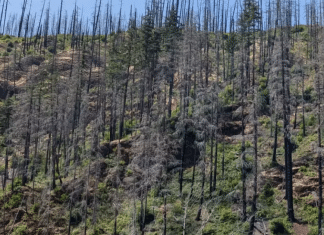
19 215
76 218
6 90
148 218
108 148
230 108
191 154
99 169
280 229
29 61
96 60
231 128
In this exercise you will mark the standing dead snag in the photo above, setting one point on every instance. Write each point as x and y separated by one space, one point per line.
255 143
318 78
27 140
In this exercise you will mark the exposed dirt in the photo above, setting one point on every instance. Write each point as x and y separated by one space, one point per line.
300 229
302 185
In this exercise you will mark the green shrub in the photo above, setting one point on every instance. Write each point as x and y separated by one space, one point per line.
192 92
231 42
210 229
303 169
64 197
313 230
57 189
307 171
297 29
248 144
6 37
227 225
267 195
227 94
190 110
177 208
35 207
311 120
123 221
102 188
307 93
51 49
76 216
174 113
17 181
129 172
20 230
264 97
30 52
97 231
129 125
2 170
226 215
76 231
304 36
13 202
310 214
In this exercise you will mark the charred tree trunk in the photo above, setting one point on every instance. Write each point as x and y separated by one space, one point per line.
27 142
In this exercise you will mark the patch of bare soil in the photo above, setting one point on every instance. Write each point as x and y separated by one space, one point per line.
275 175
302 185
174 104
300 229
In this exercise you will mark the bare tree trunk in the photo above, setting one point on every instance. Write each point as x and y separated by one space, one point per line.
86 202
243 86
255 143
296 108
94 26
287 141
6 173
121 125
164 216
275 145
70 204
211 164
182 159
202 187
170 94
27 143
112 127
193 175
303 97
319 154
47 152
215 163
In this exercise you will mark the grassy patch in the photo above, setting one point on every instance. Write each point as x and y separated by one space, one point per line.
307 171
20 230
13 202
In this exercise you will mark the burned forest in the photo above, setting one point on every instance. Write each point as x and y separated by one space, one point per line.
183 118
